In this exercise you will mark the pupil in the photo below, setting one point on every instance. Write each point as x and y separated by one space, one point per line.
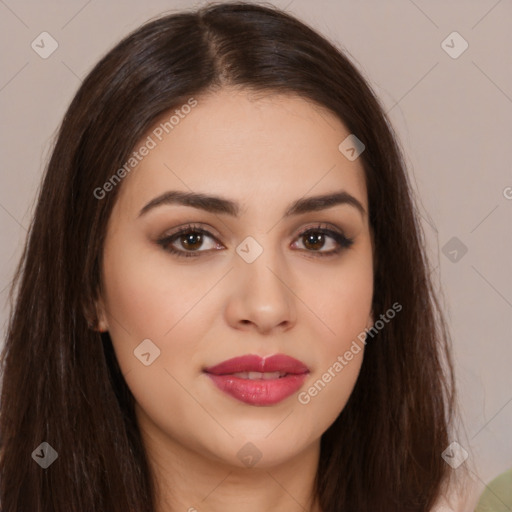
191 240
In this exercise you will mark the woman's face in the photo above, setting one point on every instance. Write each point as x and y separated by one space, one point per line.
254 284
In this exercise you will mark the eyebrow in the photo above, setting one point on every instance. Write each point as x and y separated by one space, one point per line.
216 204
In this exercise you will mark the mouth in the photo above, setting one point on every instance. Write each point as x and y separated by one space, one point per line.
259 381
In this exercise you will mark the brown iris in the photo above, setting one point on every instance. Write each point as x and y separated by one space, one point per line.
314 241
192 240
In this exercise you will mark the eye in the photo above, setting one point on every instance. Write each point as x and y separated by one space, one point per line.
191 238
314 238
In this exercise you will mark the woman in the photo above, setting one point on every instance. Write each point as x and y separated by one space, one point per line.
224 299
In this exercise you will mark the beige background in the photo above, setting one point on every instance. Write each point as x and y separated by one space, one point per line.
453 117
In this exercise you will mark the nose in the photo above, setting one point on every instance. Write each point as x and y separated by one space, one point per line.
262 299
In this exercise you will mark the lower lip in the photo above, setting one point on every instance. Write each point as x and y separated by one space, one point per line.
259 392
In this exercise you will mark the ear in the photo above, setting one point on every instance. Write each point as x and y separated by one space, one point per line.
97 319
371 320
102 324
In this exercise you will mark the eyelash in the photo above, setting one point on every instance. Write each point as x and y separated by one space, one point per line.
166 241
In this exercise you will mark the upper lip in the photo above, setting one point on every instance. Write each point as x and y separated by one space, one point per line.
254 363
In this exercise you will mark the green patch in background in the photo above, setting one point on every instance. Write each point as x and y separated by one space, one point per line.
497 497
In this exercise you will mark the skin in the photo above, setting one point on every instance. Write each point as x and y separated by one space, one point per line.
263 152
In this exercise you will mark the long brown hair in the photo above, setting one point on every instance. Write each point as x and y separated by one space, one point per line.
61 381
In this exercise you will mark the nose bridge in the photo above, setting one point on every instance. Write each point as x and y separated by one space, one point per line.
260 259
262 282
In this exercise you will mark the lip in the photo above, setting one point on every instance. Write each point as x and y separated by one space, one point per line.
259 392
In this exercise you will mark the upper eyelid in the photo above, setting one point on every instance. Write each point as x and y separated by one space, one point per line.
192 226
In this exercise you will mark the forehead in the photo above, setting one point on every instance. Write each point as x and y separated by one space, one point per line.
261 150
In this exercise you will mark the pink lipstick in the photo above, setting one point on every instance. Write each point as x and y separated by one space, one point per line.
259 381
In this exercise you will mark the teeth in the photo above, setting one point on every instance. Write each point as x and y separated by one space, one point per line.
259 375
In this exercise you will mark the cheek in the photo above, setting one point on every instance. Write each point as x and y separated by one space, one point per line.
146 295
139 305
338 357
149 298
343 304
325 395
340 297
343 307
